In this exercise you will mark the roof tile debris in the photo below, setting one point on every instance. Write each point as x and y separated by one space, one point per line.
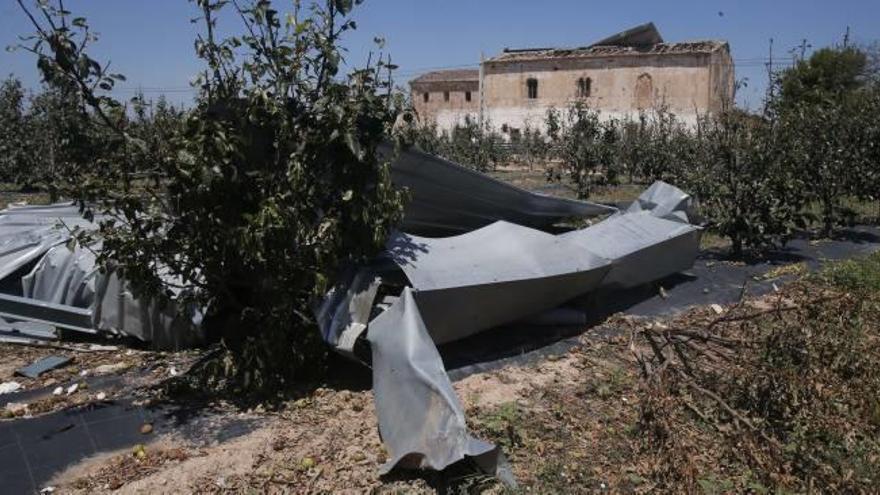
705 46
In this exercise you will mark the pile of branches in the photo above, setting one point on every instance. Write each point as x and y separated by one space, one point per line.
784 394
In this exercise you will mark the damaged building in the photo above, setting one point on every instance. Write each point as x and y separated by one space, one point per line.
620 76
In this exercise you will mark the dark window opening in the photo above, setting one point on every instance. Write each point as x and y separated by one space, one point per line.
446 96
584 87
426 97
532 85
467 96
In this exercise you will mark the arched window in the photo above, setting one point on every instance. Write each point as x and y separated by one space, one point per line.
644 92
427 97
446 96
532 86
584 87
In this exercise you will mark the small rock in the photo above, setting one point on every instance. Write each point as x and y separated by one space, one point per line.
9 387
84 373
17 408
109 369
146 429
101 396
99 347
717 309
307 463
58 391
173 371
705 290
72 389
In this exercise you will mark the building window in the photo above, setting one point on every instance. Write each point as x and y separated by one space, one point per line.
532 85
426 97
644 92
467 96
584 87
446 96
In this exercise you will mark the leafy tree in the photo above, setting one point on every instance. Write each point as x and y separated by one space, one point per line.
473 145
532 147
828 73
15 154
741 186
271 187
826 109
584 145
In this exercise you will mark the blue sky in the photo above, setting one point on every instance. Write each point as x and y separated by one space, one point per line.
151 41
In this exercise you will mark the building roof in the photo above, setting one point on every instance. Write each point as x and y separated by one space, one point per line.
708 46
456 75
640 40
447 80
644 35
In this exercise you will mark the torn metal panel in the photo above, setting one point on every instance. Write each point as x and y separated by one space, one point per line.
66 289
28 329
37 368
63 276
59 315
449 199
492 276
420 417
499 270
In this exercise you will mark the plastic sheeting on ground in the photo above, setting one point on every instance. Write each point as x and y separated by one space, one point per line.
497 267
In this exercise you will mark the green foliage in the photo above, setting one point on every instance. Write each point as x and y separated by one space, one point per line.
858 275
270 187
827 108
467 143
585 147
532 148
741 185
828 73
473 145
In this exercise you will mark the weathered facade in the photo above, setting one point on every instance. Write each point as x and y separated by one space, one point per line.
631 72
447 97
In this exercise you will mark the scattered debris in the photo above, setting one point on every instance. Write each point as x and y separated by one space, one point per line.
72 389
111 369
146 429
58 391
717 308
9 387
43 365
17 408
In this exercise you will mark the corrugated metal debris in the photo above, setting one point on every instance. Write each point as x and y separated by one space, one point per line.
485 257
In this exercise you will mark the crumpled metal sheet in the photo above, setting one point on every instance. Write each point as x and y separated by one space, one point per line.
491 276
408 372
501 269
448 199
65 287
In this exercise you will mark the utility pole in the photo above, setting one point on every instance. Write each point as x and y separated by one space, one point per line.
804 48
481 88
771 89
